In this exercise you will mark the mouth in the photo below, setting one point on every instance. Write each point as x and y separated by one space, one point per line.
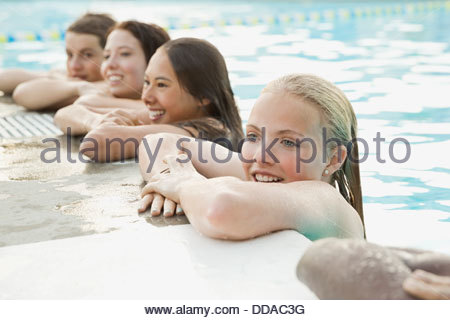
114 79
81 77
156 114
266 178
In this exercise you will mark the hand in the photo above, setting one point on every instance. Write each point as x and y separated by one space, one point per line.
116 117
90 90
157 203
169 184
425 285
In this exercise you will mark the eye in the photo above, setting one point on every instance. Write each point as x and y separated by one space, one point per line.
161 85
125 54
146 83
252 137
288 143
106 56
69 55
88 55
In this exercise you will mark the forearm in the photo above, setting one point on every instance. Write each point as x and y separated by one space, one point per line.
75 119
101 101
229 208
112 143
352 269
10 79
171 140
46 93
236 209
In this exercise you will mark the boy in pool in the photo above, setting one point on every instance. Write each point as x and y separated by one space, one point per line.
85 39
285 176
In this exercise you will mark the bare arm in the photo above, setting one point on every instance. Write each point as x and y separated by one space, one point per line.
352 269
112 143
10 79
234 209
224 163
46 93
230 208
88 112
105 101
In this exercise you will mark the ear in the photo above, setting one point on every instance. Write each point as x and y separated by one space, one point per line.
337 158
204 102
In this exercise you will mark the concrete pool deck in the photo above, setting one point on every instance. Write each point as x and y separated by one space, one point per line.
71 231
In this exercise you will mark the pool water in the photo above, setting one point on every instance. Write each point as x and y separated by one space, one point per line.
393 66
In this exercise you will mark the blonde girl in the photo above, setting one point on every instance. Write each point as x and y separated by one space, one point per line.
288 176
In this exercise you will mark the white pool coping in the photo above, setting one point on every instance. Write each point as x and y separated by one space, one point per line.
147 262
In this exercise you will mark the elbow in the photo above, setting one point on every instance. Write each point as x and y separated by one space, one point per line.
99 147
60 120
223 219
91 146
22 98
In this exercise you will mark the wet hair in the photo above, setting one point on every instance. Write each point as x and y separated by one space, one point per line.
149 35
340 121
97 24
201 70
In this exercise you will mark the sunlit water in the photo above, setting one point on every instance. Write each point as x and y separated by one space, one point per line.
394 68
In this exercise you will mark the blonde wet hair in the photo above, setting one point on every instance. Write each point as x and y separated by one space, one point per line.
340 122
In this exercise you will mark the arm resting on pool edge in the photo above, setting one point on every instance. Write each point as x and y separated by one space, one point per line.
230 208
82 118
352 269
114 142
45 93
205 164
10 79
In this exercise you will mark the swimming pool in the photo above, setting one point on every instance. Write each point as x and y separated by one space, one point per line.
393 64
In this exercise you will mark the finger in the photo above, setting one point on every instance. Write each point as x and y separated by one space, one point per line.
179 210
422 290
169 208
128 115
149 188
145 203
157 204
125 121
430 278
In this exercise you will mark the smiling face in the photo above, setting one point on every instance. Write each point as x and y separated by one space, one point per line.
124 64
164 96
286 118
84 56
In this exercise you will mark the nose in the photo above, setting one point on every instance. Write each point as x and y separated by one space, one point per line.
111 62
75 63
147 95
263 153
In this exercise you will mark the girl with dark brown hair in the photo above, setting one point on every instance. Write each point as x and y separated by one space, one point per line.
186 91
